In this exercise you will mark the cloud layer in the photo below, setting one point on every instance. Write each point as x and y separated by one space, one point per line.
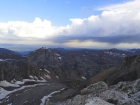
117 26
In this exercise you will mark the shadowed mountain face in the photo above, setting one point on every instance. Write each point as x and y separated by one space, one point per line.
128 71
12 65
74 64
13 69
8 54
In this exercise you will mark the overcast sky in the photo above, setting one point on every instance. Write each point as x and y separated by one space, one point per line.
70 23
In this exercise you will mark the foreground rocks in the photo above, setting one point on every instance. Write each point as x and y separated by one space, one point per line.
123 93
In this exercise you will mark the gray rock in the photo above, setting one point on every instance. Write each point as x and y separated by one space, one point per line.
112 96
123 93
77 100
95 88
136 96
84 100
137 84
96 101
127 101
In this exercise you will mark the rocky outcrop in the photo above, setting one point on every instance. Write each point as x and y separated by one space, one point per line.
123 93
127 101
84 100
95 88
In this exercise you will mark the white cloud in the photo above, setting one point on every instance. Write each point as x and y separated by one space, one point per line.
133 5
37 29
120 19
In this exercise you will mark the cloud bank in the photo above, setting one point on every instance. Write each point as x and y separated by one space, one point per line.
117 26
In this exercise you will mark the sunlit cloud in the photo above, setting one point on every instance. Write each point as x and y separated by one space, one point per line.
85 44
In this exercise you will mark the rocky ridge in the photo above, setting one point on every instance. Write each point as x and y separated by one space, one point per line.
123 93
128 71
59 64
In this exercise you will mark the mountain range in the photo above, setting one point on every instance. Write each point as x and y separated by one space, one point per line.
75 68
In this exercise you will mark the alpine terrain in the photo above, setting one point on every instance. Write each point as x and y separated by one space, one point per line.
57 76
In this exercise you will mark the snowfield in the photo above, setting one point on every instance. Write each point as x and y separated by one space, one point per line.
19 82
7 84
5 93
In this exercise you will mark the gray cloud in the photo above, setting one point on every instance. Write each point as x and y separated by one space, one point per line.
107 39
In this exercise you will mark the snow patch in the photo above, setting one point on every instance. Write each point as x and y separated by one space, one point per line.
2 90
50 95
40 69
7 84
84 77
42 78
5 93
31 76
19 82
2 60
57 54
42 81
49 77
60 58
35 77
28 80
57 77
47 70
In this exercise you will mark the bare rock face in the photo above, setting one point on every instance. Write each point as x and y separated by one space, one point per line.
112 95
96 101
127 101
95 88
129 71
123 93
83 100
136 96
137 85
77 100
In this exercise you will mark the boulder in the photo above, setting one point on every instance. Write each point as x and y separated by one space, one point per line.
123 93
77 100
95 88
112 96
84 100
96 101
